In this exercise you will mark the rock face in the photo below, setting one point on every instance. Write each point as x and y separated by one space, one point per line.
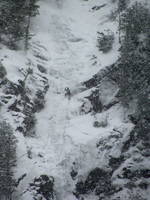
123 170
126 175
23 97
20 102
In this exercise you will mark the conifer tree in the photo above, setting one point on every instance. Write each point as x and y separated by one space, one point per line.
7 161
133 71
15 16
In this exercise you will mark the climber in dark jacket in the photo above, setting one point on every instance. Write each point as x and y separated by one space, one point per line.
67 93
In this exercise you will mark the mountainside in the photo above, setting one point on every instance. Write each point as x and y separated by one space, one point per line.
82 145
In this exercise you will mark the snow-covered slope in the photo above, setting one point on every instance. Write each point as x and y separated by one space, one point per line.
65 32
64 44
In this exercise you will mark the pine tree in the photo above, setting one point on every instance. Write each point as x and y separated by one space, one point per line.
15 16
134 63
7 161
135 21
122 5
29 10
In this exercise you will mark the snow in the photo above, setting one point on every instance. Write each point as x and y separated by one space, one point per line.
65 36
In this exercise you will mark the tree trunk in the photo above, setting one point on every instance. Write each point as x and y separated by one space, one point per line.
28 25
27 33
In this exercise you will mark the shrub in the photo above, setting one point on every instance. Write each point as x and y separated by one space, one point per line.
39 101
2 71
102 124
29 124
105 41
97 181
43 188
95 101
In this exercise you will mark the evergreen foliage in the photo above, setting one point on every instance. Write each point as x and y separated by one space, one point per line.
2 71
15 18
105 41
122 5
132 71
7 161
